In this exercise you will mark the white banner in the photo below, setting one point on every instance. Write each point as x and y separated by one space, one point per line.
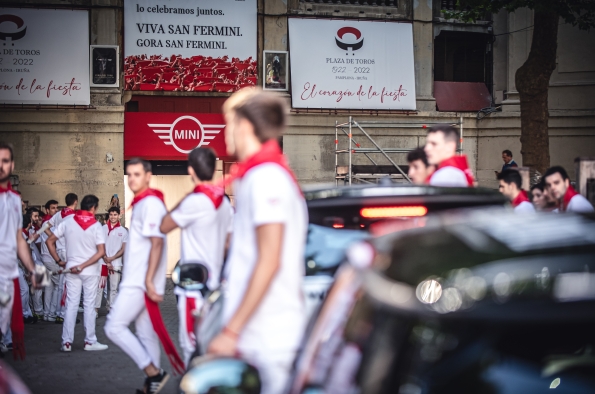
351 64
44 56
188 28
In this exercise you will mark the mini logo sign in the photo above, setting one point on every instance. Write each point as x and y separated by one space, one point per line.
7 34
186 133
349 39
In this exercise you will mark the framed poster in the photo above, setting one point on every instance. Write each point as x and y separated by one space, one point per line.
44 56
104 66
351 64
275 70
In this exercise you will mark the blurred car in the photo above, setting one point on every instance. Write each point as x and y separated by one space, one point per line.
340 216
484 301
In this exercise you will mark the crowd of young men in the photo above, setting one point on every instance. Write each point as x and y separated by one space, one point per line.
263 314
438 164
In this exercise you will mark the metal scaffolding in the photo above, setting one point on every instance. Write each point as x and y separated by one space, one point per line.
347 174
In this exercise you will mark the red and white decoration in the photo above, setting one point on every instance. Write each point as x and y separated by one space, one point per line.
171 136
350 64
44 56
190 45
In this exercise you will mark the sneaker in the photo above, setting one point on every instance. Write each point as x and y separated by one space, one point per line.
155 384
81 310
38 316
30 320
50 318
59 320
67 347
95 346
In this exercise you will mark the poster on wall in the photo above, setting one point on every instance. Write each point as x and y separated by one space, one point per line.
44 56
348 64
104 65
275 70
171 136
190 45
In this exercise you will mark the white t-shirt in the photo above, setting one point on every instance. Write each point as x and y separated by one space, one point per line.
267 194
81 244
45 253
204 232
35 251
147 215
524 207
449 177
54 222
114 241
578 203
11 222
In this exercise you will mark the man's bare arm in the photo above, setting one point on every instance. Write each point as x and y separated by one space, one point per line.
51 244
154 260
24 253
168 224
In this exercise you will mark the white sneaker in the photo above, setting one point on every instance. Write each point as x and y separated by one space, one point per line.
67 347
49 318
95 346
81 310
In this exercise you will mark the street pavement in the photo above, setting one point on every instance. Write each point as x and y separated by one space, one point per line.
47 370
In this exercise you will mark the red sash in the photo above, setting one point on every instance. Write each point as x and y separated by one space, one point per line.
46 218
8 189
214 193
147 193
570 192
67 212
110 228
459 162
270 152
17 324
168 346
85 219
522 197
190 306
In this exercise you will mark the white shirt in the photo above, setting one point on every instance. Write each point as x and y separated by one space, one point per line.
114 241
449 177
45 252
54 222
267 194
81 244
578 203
147 215
524 207
11 222
204 232
35 252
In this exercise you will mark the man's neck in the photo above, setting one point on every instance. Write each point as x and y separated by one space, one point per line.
4 184
515 194
113 223
252 147
141 190
73 206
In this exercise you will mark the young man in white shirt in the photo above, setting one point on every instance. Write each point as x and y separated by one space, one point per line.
441 148
116 238
558 185
264 312
204 217
13 247
510 186
53 291
35 246
85 245
143 283
71 201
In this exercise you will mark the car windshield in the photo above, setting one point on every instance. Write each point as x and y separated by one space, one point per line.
325 247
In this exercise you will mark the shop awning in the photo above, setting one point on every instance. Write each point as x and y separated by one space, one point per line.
461 96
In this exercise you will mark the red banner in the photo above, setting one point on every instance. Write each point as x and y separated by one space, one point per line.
171 136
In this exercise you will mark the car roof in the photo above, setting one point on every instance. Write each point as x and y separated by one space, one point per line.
489 258
320 196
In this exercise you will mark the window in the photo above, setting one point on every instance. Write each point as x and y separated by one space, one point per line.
462 57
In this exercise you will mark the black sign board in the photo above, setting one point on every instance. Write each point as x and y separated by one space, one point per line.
104 66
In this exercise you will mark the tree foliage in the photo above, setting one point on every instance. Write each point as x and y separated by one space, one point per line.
579 13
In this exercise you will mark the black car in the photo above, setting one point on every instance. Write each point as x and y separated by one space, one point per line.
340 216
472 302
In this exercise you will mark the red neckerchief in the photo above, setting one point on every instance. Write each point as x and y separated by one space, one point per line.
570 192
522 197
214 193
8 189
147 193
110 228
46 218
270 152
459 162
85 219
67 212
35 227
24 230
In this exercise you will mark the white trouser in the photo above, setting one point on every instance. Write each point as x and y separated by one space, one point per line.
6 286
130 307
114 281
274 369
24 294
74 284
51 300
187 339
37 301
100 291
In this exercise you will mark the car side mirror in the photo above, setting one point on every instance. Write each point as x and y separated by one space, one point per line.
215 374
191 276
